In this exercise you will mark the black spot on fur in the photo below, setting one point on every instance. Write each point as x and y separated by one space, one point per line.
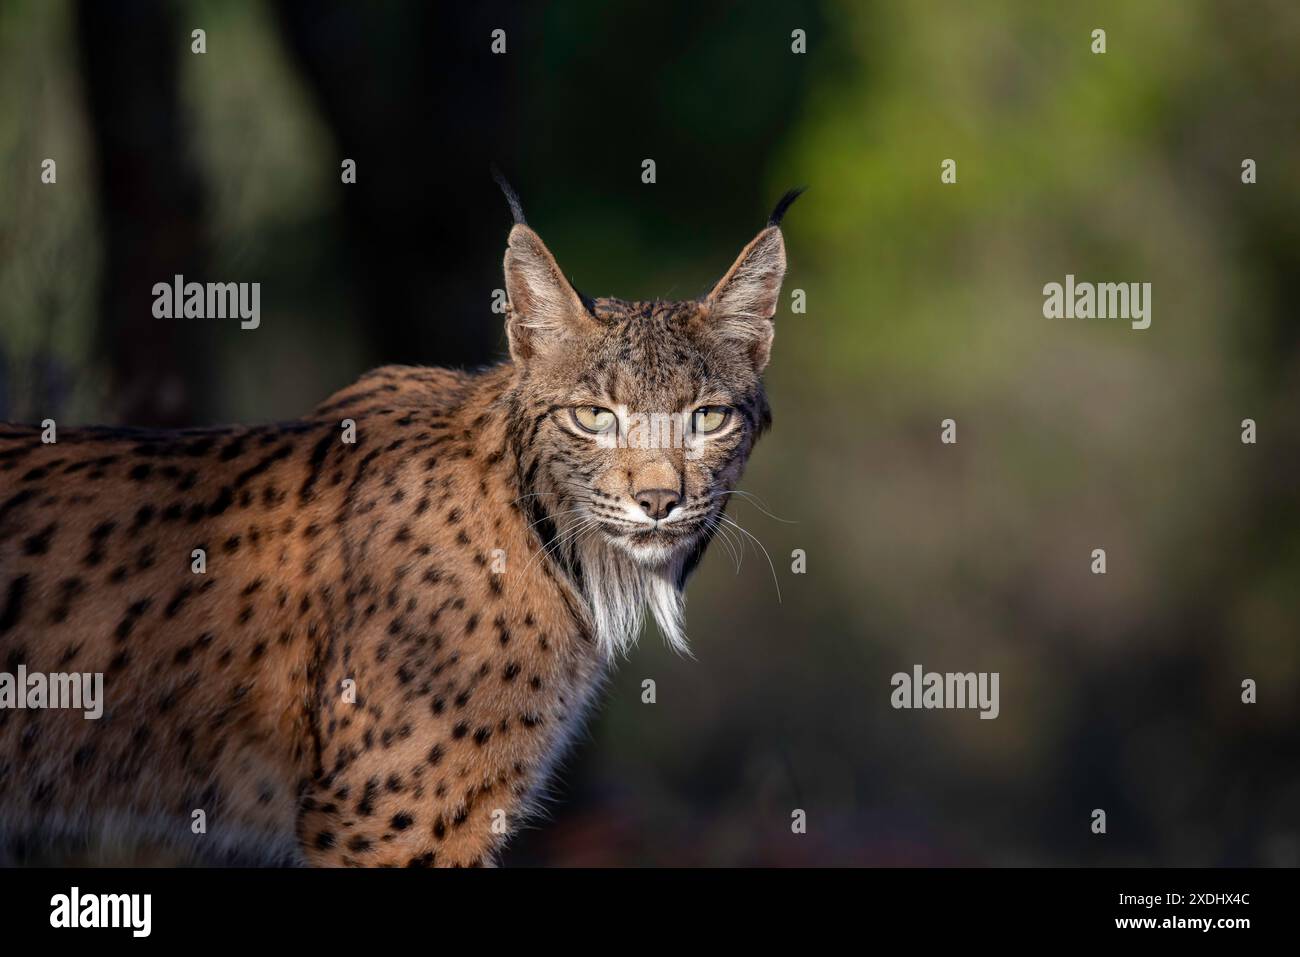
13 608
178 601
39 543
98 536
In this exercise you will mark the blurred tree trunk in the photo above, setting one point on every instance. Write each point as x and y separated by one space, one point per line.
423 119
150 205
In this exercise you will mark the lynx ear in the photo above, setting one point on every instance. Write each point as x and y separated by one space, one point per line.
544 308
742 304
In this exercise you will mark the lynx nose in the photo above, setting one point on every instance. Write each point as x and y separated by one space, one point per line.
657 502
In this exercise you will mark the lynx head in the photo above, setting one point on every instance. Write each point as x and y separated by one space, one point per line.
634 420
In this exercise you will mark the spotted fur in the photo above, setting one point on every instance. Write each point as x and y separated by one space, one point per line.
472 562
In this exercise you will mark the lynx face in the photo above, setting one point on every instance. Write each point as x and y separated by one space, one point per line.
652 426
639 417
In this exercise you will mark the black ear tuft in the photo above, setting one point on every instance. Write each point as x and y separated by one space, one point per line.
779 213
516 210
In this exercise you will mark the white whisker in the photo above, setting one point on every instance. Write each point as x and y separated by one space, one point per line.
757 502
746 532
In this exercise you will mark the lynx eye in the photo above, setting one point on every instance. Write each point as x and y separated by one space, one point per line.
592 418
710 418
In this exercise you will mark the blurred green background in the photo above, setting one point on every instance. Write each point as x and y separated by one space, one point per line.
1119 692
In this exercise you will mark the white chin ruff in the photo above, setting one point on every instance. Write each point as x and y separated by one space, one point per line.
619 589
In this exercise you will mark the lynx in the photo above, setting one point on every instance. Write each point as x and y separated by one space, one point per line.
365 637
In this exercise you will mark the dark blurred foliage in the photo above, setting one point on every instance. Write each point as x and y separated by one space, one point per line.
1119 692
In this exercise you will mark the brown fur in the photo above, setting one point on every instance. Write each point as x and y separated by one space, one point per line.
376 562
